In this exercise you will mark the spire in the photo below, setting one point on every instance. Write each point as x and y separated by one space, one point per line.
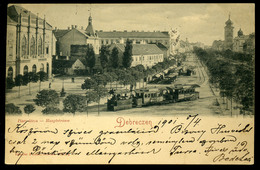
89 29
229 22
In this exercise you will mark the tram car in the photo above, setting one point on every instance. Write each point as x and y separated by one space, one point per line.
125 99
120 100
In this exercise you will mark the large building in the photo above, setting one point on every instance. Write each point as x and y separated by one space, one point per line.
73 41
30 43
241 43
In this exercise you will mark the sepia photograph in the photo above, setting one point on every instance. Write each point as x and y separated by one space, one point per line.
145 69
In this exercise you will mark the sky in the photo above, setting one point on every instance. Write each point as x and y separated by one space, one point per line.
197 22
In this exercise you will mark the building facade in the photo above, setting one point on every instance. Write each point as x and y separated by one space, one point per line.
143 54
30 43
74 38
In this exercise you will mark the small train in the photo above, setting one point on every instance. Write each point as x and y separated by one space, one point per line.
124 99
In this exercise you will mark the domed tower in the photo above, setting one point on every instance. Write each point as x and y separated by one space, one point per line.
229 34
240 33
89 30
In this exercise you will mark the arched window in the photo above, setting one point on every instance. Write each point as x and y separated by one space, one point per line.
24 46
25 70
40 46
10 72
34 68
32 47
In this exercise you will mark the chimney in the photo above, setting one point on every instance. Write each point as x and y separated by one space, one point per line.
76 26
72 26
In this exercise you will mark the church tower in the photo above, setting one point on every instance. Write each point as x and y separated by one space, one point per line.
89 29
228 43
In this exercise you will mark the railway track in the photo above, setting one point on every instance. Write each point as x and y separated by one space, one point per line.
201 74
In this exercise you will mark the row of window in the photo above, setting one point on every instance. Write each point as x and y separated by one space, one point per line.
111 41
26 69
32 46
186 91
152 57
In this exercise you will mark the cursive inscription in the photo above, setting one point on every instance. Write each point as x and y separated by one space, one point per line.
182 139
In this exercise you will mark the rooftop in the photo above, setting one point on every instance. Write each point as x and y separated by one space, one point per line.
141 48
14 11
125 34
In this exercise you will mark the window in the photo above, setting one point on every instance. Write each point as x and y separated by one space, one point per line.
24 46
10 72
32 47
25 70
145 95
34 68
40 46
47 50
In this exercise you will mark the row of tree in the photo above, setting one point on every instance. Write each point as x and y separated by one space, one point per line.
235 80
26 79
109 59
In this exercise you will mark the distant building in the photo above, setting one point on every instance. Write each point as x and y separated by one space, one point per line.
244 43
218 45
65 65
241 43
145 54
73 41
228 41
30 43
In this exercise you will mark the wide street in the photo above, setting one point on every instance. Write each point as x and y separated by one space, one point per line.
205 105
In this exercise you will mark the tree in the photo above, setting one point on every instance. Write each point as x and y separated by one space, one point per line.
91 96
32 77
113 77
100 92
127 55
100 79
88 84
104 55
90 57
42 77
29 108
12 109
18 82
114 58
9 83
47 98
73 103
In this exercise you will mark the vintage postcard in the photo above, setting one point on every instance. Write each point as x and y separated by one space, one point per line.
130 84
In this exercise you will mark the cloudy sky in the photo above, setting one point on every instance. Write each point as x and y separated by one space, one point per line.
197 22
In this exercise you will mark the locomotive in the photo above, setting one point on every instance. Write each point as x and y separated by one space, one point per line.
126 99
